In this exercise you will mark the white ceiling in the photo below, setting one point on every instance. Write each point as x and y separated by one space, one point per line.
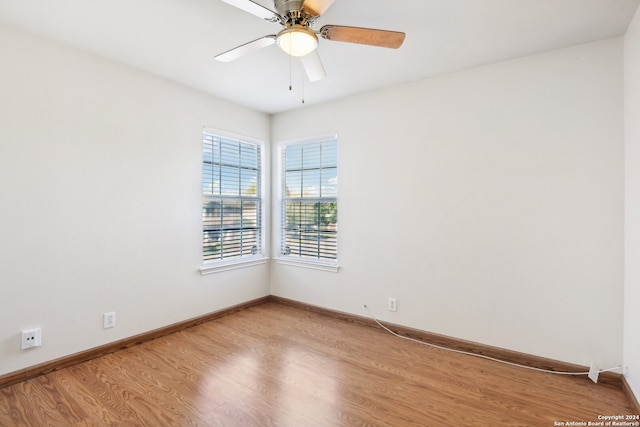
177 39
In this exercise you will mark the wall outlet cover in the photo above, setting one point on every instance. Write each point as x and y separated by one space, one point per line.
594 372
109 320
31 338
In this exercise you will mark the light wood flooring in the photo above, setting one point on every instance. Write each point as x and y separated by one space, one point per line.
276 365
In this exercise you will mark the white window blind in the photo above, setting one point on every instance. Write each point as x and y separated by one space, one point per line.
232 200
310 205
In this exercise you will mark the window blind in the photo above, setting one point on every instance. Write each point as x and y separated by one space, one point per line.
232 203
310 206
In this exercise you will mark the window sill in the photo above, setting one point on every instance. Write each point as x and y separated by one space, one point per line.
231 265
309 264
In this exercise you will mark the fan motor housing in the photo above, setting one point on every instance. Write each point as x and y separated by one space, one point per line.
286 6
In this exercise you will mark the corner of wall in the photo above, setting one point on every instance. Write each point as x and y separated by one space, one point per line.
631 340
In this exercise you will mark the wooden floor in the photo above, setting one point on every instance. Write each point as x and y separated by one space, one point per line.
275 365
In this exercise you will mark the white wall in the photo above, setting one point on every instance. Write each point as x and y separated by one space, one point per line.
100 200
632 199
488 202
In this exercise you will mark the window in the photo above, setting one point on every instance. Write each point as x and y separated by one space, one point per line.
309 229
232 199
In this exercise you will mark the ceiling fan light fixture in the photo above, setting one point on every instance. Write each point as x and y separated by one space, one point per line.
297 40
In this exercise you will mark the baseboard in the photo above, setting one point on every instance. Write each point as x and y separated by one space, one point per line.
93 353
631 396
458 344
441 340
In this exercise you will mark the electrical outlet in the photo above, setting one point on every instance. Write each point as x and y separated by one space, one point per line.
392 304
31 338
109 320
594 372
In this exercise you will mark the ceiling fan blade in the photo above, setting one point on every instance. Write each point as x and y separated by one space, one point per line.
246 48
317 7
368 36
254 9
313 66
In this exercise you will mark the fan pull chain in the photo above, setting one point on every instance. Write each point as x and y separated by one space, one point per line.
303 85
290 64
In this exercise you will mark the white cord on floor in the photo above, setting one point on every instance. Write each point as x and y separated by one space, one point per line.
482 355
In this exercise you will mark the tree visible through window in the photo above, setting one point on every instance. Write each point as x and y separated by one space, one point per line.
310 205
232 203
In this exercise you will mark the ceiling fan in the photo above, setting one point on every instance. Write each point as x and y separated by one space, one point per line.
297 38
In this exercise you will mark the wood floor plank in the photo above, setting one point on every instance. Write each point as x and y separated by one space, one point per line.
277 365
41 403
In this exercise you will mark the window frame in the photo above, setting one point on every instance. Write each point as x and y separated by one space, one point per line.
281 258
216 265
